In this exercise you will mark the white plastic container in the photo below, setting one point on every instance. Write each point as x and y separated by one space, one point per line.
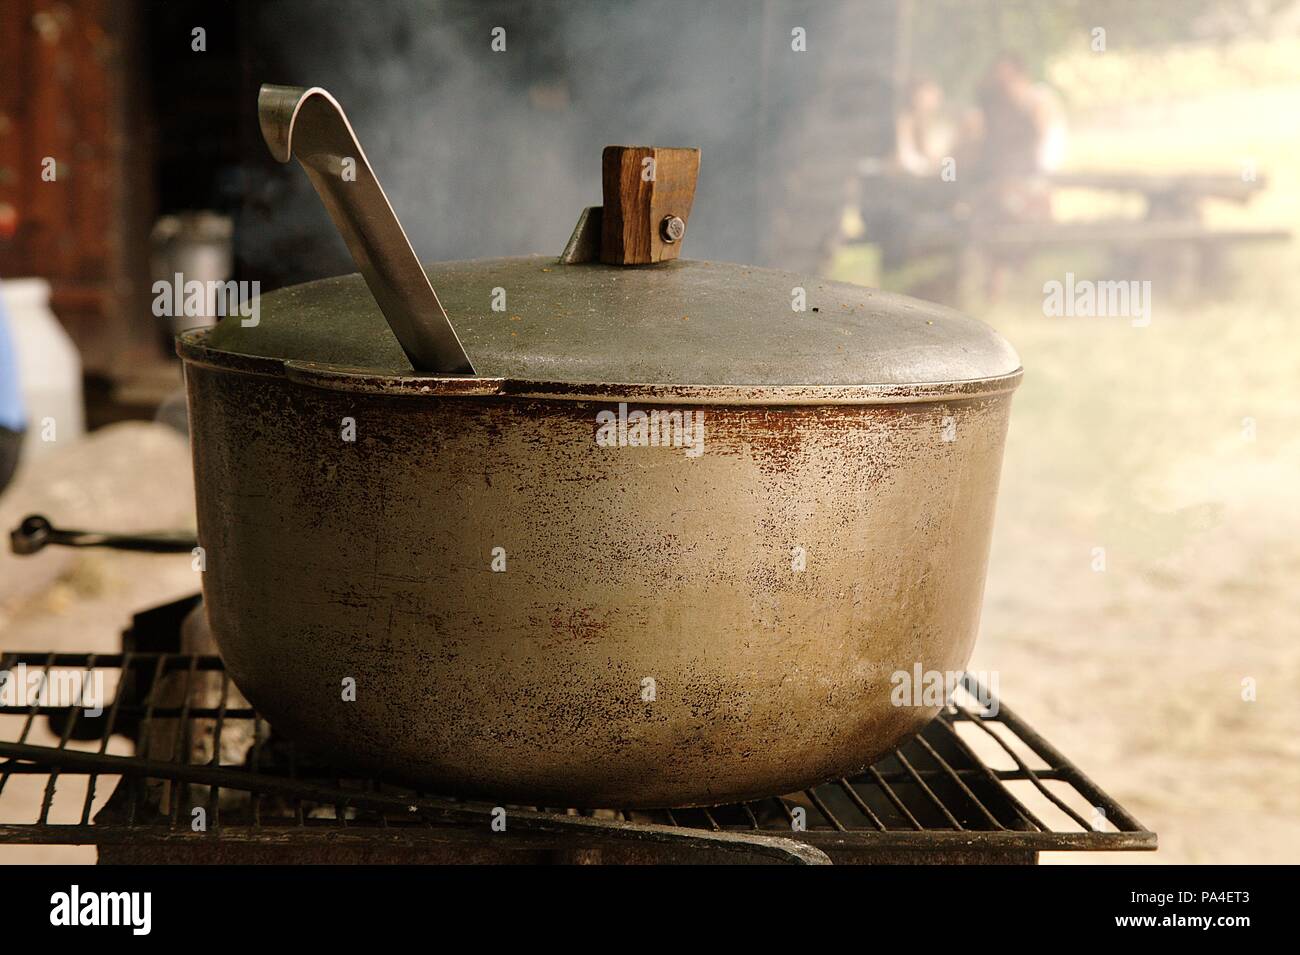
49 367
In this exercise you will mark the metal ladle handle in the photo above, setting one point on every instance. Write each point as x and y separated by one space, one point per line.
36 533
310 125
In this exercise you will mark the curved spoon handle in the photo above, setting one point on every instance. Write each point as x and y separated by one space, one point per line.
310 125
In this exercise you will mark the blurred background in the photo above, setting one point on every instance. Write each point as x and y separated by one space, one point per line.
1142 603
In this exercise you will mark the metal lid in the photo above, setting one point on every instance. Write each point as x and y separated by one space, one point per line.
619 314
682 323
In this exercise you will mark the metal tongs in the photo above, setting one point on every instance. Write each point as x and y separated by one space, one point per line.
309 125
36 533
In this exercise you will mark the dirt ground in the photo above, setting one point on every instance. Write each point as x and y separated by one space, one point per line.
1175 447
132 477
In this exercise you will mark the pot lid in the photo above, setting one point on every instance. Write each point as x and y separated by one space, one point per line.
618 310
677 323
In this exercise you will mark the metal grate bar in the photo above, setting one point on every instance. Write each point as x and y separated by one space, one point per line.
1049 754
860 803
893 797
340 808
116 661
966 790
7 662
31 714
257 768
785 808
47 798
936 785
994 778
137 785
298 813
938 803
214 793
183 740
824 810
118 695
1033 777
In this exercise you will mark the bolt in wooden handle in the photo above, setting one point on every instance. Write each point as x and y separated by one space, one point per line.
649 191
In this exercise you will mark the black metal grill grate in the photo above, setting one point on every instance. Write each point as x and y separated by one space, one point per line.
967 782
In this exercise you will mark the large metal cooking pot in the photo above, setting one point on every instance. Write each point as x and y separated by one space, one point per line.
486 582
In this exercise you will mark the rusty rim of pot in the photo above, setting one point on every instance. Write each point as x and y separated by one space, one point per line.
191 347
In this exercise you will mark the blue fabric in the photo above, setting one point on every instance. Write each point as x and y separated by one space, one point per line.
12 415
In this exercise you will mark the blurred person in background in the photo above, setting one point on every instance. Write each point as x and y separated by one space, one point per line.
915 202
923 136
1016 134
1019 128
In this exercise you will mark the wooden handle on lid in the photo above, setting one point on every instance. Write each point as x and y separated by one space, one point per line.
649 191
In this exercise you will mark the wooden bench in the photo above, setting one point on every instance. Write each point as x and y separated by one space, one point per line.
1170 236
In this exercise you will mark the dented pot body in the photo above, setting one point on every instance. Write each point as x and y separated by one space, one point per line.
529 615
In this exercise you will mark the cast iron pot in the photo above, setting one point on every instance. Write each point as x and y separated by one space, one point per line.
438 549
